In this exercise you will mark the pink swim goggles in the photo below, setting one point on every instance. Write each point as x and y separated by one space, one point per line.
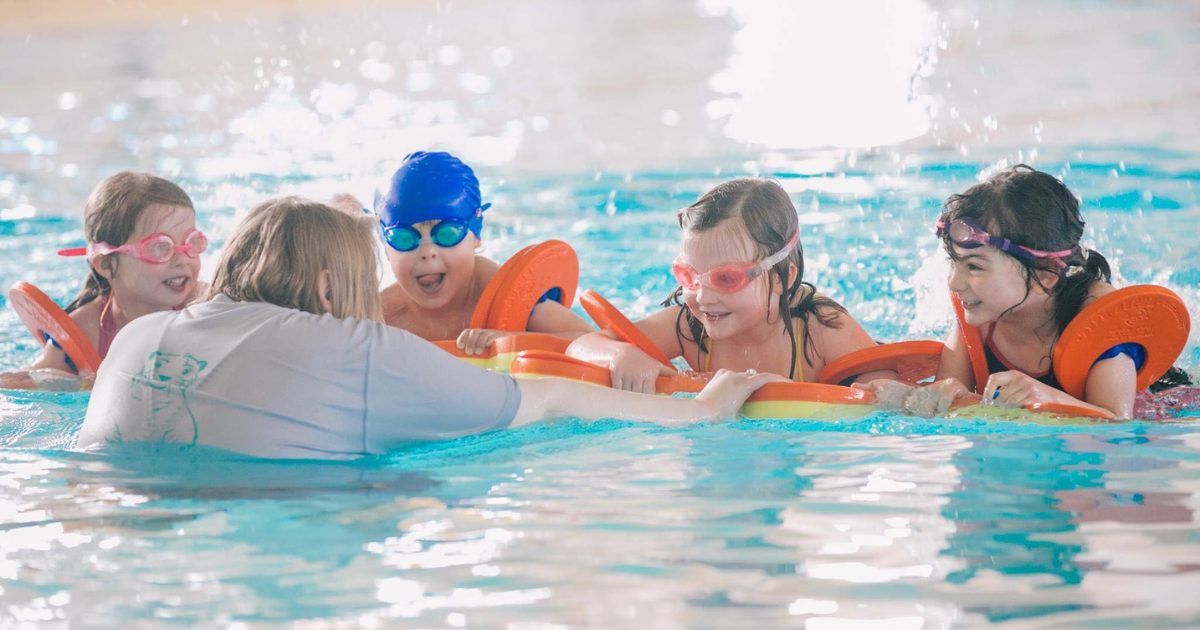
157 248
968 234
729 277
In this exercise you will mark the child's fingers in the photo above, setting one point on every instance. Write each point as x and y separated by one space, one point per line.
650 382
953 388
991 391
873 385
469 342
17 380
1004 389
475 341
767 377
1020 393
760 379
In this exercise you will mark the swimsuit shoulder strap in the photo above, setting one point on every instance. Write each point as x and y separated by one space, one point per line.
108 327
798 359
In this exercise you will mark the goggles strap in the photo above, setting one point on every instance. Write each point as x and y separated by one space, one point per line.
773 259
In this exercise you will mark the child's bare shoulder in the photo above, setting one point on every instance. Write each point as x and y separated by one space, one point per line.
485 268
395 304
1098 290
88 316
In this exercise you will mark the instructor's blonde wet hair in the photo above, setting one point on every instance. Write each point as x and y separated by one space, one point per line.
280 249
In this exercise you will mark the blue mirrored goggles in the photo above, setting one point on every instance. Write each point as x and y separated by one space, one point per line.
445 233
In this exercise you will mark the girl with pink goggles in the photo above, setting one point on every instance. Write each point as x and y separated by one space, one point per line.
729 277
156 249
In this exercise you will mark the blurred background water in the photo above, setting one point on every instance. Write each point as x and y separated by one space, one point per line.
594 122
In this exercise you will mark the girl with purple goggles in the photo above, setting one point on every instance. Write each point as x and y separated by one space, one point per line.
968 234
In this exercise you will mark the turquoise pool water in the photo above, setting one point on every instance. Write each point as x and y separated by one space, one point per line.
888 522
593 122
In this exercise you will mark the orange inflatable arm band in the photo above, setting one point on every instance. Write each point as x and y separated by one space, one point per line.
1150 316
974 344
509 298
45 318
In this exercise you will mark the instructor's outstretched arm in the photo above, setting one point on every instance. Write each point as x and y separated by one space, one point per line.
554 398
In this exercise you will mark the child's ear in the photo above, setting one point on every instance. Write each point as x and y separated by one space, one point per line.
324 292
777 287
1047 280
103 266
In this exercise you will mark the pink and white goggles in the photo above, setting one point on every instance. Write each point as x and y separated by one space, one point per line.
729 277
157 248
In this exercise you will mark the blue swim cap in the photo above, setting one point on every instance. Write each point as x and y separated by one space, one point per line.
429 186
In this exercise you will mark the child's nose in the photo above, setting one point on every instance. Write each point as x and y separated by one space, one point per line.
427 249
705 294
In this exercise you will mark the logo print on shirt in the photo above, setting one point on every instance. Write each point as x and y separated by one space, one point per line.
166 378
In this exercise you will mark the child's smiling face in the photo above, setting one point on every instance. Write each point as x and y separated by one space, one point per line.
725 315
432 275
987 281
157 287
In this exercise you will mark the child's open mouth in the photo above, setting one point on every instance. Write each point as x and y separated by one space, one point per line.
178 283
711 317
970 304
431 282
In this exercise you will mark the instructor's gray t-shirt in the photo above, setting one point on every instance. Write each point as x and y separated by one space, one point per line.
270 381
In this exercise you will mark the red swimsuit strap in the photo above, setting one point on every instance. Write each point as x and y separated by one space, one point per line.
987 341
108 328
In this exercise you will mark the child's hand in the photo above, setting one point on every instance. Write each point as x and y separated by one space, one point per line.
635 371
889 394
1017 389
930 400
951 389
17 380
46 379
348 203
725 394
475 341
935 399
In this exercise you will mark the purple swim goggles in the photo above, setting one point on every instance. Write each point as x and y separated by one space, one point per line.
968 234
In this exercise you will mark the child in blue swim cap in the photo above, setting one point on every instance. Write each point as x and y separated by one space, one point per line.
431 219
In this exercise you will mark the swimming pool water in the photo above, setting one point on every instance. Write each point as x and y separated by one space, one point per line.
889 521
